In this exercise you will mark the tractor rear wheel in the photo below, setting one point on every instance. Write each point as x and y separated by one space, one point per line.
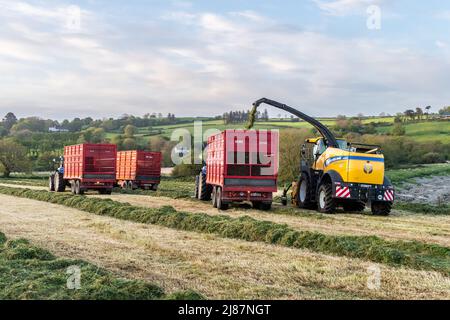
326 203
220 204
381 208
60 185
354 206
304 193
197 178
51 183
205 190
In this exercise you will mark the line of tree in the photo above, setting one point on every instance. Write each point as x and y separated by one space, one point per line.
233 117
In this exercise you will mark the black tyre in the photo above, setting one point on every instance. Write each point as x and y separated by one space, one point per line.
73 187
325 201
130 185
355 206
51 183
381 208
205 190
197 178
284 201
220 204
304 193
214 197
60 185
78 188
155 187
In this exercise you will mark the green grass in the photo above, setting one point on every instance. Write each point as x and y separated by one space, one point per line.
32 273
412 254
423 208
400 176
424 131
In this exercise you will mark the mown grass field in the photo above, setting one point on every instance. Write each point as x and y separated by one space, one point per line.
183 244
30 272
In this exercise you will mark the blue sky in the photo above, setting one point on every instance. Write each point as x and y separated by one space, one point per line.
97 58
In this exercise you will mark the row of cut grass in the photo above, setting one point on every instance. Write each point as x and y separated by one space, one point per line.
29 272
423 208
412 254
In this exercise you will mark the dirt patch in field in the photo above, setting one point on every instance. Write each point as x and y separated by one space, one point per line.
430 190
216 267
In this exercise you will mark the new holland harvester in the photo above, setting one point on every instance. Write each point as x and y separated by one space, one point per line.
336 173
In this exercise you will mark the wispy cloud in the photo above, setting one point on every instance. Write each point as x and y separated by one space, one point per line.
345 7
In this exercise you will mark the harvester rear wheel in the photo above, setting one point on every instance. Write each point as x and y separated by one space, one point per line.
205 190
326 203
354 206
51 183
60 185
381 208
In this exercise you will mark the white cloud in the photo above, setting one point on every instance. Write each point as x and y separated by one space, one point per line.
345 7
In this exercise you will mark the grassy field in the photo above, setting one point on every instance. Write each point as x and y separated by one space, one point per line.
425 131
30 272
190 245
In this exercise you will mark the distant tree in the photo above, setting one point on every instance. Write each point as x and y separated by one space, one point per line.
9 120
444 110
129 144
410 114
129 131
13 157
419 113
398 129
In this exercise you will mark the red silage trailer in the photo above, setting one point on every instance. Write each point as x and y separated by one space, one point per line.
138 169
88 167
241 165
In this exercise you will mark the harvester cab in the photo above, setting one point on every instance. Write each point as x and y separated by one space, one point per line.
335 173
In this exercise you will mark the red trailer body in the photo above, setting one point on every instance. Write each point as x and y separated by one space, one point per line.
90 166
138 169
242 165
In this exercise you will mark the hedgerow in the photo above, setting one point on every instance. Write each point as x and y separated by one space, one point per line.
413 254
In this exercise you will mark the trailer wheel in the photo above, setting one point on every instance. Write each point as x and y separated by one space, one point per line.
72 187
214 197
326 203
51 183
130 185
304 193
78 189
59 183
381 208
356 206
205 190
220 204
155 187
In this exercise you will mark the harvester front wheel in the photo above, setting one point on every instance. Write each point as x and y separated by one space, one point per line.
51 183
381 208
304 193
326 203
